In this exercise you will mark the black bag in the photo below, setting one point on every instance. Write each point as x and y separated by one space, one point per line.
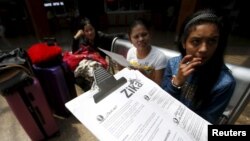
15 68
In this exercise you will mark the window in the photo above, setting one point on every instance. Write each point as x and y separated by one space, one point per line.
56 7
49 4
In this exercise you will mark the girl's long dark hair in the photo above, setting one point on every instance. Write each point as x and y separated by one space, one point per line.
209 72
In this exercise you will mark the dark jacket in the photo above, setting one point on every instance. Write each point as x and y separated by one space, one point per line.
221 92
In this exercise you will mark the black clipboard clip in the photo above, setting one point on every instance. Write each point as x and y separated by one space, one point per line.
106 83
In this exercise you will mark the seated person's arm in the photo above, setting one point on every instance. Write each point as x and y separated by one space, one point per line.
78 34
157 76
76 40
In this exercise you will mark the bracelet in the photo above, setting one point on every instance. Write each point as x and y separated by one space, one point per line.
172 81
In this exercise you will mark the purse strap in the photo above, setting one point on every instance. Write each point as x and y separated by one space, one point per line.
16 66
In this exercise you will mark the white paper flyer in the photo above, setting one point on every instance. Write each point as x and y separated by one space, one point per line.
139 110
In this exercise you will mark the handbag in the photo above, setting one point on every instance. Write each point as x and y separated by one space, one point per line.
73 59
85 52
15 68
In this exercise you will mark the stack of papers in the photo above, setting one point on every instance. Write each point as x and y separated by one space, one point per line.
138 110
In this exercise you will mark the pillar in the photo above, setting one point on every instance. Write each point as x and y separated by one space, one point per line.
38 16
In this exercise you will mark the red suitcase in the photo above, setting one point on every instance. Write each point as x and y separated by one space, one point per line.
58 85
29 105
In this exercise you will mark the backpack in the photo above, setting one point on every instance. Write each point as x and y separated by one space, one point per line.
15 68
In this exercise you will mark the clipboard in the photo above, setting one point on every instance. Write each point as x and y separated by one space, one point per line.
148 104
106 83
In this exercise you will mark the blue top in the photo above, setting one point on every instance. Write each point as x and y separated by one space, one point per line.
222 90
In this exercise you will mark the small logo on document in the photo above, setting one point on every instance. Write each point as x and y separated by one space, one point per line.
176 121
146 97
100 118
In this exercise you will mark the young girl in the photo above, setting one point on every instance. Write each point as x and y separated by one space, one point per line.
199 77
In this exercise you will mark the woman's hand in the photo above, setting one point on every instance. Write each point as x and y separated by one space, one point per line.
79 34
187 65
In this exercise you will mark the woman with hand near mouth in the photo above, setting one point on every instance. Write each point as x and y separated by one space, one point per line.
199 77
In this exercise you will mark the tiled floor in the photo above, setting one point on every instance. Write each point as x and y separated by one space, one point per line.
71 129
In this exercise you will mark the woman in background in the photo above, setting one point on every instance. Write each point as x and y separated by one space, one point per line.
86 42
87 35
142 56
